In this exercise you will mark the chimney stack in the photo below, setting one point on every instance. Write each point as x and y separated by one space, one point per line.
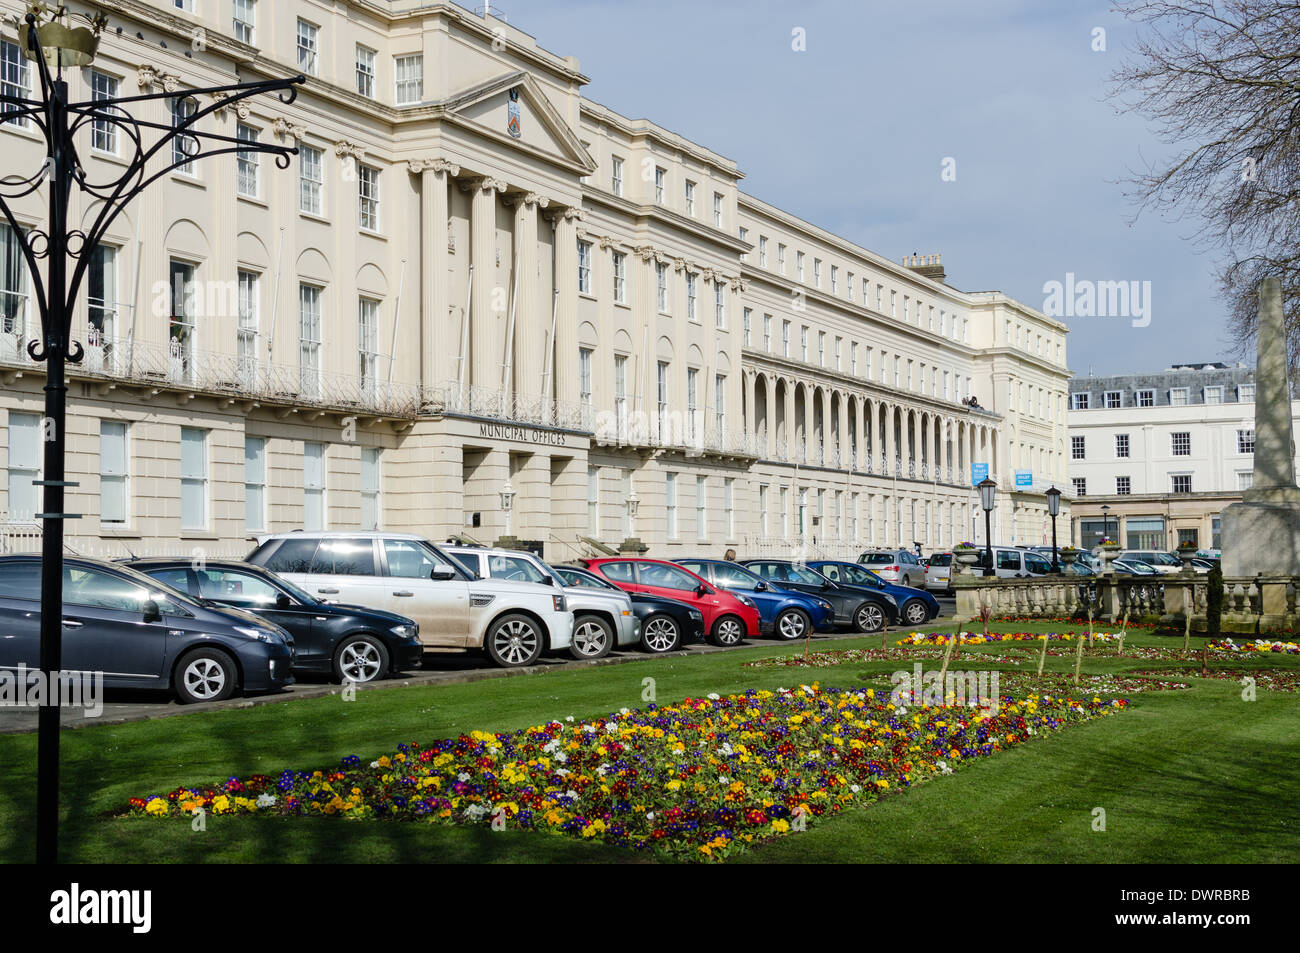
931 266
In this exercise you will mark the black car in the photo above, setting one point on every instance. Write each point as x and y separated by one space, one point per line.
352 643
140 633
861 609
666 624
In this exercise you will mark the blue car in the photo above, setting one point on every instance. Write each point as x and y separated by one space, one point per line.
915 606
782 613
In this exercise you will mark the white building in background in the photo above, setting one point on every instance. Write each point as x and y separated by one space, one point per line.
1154 458
473 282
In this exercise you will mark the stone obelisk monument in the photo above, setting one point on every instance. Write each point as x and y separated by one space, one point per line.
1261 534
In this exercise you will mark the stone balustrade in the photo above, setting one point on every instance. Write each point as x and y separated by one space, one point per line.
1249 603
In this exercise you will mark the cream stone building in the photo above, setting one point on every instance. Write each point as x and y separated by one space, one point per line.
479 304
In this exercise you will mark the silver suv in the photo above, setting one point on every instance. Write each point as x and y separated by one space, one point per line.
513 622
601 618
899 566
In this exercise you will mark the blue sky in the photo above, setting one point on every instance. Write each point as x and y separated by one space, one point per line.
851 134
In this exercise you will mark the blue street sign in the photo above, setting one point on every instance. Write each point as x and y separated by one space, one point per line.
979 472
1025 478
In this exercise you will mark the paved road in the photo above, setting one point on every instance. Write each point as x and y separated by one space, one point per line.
134 705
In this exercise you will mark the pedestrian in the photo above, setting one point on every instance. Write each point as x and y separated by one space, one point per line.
729 555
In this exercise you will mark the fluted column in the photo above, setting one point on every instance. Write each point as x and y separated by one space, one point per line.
532 321
564 376
789 434
439 340
891 448
487 326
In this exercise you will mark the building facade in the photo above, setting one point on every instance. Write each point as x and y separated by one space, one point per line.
1155 458
480 304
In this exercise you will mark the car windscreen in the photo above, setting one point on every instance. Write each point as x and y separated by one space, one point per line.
877 559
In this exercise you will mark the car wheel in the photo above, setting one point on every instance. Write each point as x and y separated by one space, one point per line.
592 638
915 612
660 634
513 641
205 675
360 658
727 631
791 624
869 618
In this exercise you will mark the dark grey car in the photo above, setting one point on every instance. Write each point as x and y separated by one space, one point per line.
140 633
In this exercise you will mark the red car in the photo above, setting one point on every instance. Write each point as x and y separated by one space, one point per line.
727 618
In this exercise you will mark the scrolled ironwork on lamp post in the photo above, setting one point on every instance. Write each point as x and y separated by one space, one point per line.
47 39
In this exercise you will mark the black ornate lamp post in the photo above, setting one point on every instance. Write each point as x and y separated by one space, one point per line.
988 490
1105 520
52 44
1054 510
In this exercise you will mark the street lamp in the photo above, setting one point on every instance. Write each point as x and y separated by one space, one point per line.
1054 510
988 490
1105 520
507 502
633 504
47 39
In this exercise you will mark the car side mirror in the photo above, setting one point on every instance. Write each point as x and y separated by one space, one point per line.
550 581
760 587
282 600
701 590
442 573
151 611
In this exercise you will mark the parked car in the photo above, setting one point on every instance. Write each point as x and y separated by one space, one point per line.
896 565
861 609
512 622
602 618
1013 563
666 624
1135 567
1206 563
1159 561
915 606
351 643
782 613
141 633
727 618
938 573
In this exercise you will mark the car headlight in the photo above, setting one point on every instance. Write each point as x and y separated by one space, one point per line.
560 604
892 601
404 631
745 600
827 606
696 615
262 635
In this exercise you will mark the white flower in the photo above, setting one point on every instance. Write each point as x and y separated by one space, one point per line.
569 719
650 816
561 757
611 727
463 776
714 696
374 764
265 800
854 788
563 772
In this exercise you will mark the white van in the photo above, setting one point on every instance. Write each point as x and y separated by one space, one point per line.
1011 563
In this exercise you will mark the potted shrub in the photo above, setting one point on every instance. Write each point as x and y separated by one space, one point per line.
1067 555
1186 551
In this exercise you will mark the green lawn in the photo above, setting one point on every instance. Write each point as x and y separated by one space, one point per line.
1183 776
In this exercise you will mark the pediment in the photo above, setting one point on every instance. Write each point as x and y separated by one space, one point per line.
491 108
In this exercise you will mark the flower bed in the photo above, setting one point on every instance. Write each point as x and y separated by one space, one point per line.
978 638
1273 679
697 780
851 656
1259 645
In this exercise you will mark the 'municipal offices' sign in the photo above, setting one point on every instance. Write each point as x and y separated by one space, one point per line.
551 438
